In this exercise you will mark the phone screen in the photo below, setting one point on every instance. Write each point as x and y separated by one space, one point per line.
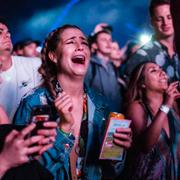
40 114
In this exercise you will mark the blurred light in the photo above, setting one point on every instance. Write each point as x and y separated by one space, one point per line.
144 38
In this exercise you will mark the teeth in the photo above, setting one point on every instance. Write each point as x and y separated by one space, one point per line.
78 56
78 59
163 80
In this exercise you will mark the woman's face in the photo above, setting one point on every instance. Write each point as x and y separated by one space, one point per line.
73 53
155 78
116 52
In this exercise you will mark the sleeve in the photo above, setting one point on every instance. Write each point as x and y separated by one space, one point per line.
23 113
57 157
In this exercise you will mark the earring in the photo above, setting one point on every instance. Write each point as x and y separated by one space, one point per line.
143 86
55 60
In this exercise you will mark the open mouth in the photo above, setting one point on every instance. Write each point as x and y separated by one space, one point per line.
79 59
164 80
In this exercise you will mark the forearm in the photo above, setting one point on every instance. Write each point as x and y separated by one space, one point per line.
151 134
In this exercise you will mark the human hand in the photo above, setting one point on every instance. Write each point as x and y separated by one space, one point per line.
16 149
123 137
99 27
49 135
64 106
171 94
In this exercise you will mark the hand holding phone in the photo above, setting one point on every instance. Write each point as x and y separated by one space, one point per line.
39 115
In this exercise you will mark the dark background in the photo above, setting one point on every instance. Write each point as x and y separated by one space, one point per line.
36 18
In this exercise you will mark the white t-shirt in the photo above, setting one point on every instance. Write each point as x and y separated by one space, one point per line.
22 77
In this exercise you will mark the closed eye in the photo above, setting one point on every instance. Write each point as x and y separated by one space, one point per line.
70 42
85 43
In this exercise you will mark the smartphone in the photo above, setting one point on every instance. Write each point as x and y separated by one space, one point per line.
41 114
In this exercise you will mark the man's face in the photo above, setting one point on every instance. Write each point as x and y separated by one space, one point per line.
103 43
162 21
5 39
30 50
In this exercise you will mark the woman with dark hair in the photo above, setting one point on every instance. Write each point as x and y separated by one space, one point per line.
79 111
151 104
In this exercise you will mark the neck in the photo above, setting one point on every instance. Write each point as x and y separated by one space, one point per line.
154 100
104 57
169 43
72 86
6 63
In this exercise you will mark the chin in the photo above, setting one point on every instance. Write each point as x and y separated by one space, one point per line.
165 87
168 34
80 73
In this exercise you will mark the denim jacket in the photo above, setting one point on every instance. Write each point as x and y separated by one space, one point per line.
56 159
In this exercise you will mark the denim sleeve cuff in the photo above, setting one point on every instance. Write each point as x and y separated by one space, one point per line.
67 141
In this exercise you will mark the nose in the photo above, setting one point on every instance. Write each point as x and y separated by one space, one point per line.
162 72
109 43
165 21
79 46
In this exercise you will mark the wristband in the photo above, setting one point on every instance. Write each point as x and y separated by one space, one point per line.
164 109
64 133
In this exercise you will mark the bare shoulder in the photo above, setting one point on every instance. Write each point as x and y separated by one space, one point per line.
135 107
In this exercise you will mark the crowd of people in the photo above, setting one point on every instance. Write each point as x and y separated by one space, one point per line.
78 81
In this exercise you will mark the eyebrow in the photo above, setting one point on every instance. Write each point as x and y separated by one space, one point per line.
2 29
71 38
154 67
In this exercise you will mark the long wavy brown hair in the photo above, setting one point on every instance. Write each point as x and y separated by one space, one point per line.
48 68
135 90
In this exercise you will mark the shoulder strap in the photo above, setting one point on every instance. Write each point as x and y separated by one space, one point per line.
146 109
